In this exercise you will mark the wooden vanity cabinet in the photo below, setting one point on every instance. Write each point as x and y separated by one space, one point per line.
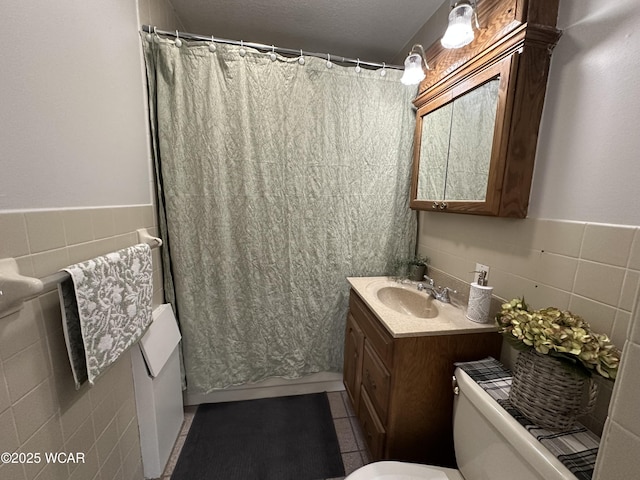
400 388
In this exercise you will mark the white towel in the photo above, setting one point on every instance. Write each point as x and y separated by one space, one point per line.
106 308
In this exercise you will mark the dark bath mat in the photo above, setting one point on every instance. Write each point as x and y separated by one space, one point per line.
282 438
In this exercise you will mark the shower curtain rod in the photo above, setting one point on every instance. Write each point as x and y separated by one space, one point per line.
262 46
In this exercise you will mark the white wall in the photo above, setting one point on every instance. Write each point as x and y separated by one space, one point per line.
587 165
72 122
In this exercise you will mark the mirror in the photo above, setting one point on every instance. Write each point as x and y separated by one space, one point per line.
479 111
456 144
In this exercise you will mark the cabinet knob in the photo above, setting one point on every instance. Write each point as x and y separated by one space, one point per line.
443 205
370 380
435 205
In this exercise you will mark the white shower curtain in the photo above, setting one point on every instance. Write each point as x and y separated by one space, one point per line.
277 180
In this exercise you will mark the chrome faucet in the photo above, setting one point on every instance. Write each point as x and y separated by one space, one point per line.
439 293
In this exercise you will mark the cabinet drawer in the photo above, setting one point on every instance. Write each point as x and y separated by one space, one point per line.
377 381
377 335
374 433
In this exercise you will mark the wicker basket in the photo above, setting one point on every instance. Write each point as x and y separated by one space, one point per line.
549 393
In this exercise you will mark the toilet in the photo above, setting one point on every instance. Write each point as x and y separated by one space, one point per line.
489 444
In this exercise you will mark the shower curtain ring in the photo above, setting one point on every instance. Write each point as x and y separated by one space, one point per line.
242 51
301 59
212 45
329 64
383 72
358 66
272 55
178 42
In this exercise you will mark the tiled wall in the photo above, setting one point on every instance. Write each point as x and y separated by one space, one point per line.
591 269
618 457
40 410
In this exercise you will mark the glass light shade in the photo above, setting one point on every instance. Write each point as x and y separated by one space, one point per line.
413 71
460 31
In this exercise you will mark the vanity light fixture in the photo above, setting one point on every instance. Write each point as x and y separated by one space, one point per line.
460 30
414 66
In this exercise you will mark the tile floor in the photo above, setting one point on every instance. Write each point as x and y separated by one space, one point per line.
352 446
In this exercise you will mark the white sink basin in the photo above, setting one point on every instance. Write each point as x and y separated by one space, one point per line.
406 312
408 302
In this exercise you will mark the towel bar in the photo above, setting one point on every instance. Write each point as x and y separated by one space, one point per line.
16 288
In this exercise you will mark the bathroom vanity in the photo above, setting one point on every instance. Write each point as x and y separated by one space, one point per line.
398 370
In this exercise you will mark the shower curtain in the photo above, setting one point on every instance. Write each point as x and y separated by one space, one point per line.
276 180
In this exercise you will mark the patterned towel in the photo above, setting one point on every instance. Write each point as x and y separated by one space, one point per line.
576 448
106 309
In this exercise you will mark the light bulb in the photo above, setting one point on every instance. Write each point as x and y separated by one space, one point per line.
460 31
413 71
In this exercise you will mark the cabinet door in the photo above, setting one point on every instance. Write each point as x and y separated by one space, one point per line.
353 347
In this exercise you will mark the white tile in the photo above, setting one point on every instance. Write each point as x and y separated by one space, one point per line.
82 439
9 439
77 226
5 402
20 330
132 465
103 223
512 259
618 457
634 256
45 230
27 369
34 409
557 271
49 262
634 328
625 405
12 471
14 242
46 439
542 296
607 244
74 414
557 236
130 439
599 282
621 327
53 471
629 290
598 315
87 469
107 442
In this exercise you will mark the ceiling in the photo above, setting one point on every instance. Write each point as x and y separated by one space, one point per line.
372 30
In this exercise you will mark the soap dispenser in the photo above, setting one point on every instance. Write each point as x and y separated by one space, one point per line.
479 299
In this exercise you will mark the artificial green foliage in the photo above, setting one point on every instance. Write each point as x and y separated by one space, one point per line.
559 333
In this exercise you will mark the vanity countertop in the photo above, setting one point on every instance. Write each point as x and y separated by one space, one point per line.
450 319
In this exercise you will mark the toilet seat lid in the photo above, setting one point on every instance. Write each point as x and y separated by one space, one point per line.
403 471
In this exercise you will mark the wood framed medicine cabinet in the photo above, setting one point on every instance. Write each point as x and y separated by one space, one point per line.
479 110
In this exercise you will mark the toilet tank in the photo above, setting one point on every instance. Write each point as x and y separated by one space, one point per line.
491 445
